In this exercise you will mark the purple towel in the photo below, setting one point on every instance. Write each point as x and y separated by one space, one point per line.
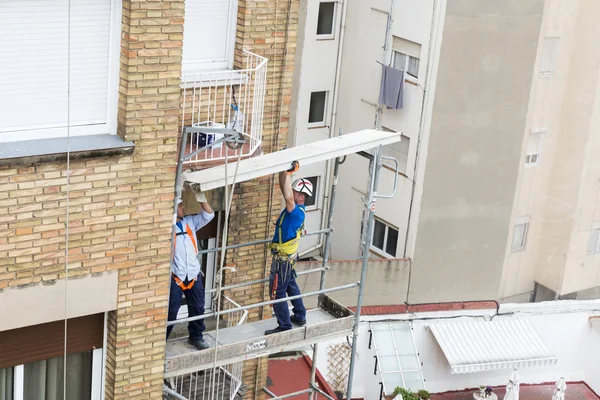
392 84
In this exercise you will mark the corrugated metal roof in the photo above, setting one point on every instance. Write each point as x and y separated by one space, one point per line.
491 345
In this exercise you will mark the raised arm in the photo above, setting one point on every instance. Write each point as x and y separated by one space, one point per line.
285 185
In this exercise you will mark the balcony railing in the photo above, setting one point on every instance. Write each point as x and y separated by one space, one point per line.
222 383
230 99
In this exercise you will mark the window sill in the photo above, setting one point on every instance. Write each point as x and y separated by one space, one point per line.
317 125
48 150
380 253
325 37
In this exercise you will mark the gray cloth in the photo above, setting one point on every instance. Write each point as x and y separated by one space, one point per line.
392 84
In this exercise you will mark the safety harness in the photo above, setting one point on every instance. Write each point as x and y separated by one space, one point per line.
284 253
289 248
179 282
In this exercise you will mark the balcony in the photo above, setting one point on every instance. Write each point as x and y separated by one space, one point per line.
225 102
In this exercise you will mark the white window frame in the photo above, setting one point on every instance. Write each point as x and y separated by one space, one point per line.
316 190
552 70
51 131
593 249
524 220
407 75
377 250
393 150
323 123
189 68
327 36
533 157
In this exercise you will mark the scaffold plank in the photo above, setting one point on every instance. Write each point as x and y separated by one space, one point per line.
211 178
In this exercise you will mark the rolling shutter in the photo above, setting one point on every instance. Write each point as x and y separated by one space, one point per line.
33 66
404 46
208 34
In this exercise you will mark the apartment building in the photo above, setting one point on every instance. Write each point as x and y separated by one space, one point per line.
94 95
478 210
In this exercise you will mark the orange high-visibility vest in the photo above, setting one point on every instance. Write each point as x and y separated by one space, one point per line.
178 281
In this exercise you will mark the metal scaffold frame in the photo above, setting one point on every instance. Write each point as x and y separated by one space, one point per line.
375 164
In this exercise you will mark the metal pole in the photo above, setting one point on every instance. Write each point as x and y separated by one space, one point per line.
267 391
173 393
315 387
262 241
264 303
376 164
249 283
175 202
285 396
313 369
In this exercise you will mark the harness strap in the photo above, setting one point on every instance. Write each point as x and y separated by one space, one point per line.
188 231
182 285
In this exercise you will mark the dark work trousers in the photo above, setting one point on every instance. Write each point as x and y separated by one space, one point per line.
195 305
286 285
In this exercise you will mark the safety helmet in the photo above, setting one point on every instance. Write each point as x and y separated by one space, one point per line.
303 186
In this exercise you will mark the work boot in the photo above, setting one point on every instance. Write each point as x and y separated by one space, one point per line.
272 331
299 322
200 344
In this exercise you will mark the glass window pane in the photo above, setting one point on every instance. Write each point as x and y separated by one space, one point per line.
312 200
6 383
391 382
388 363
392 242
378 235
399 61
316 113
413 66
325 21
45 379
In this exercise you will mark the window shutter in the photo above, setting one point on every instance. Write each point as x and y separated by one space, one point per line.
208 34
549 52
401 45
33 65
534 145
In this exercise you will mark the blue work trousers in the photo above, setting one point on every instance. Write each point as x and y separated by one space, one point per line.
195 305
283 268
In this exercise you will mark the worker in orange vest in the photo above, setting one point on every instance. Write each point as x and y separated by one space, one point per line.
185 270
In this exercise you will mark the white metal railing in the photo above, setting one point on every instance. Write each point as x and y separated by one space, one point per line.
228 99
221 384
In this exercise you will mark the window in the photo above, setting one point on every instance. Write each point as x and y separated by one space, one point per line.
398 150
534 148
311 202
34 68
44 379
208 35
594 242
548 58
520 234
318 105
325 22
385 238
406 56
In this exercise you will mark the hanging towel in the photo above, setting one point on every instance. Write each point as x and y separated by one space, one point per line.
392 85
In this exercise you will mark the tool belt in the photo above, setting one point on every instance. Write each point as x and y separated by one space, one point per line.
182 285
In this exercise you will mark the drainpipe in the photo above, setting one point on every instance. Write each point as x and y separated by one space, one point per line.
334 110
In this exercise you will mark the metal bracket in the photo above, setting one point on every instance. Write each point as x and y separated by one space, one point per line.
232 138
397 170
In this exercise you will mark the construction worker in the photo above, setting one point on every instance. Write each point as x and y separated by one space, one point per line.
185 270
284 248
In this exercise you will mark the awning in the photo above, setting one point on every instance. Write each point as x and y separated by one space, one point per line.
491 345
278 161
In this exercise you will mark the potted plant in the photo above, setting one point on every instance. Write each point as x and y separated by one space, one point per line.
424 395
405 393
482 390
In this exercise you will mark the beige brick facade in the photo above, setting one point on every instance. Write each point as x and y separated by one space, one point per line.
120 207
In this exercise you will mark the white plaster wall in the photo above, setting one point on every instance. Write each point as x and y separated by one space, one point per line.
569 335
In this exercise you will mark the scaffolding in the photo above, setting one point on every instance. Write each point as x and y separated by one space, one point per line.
236 343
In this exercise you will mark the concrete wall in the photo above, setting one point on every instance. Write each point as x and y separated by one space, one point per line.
560 194
569 336
476 136
386 283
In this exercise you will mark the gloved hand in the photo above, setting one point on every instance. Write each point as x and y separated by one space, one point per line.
201 197
295 167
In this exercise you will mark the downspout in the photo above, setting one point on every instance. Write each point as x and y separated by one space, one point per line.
334 112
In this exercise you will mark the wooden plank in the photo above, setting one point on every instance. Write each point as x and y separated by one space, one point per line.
278 161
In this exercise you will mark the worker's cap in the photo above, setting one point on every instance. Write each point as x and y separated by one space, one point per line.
179 201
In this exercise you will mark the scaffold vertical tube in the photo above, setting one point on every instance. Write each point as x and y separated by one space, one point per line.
336 169
370 204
